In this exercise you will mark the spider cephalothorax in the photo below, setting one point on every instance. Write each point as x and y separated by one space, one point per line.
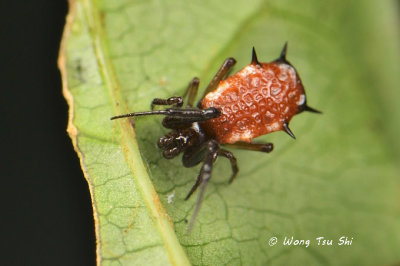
259 99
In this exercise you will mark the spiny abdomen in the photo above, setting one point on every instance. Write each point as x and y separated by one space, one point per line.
255 101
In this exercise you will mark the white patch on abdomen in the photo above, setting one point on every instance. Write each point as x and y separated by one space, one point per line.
214 95
301 100
246 136
248 70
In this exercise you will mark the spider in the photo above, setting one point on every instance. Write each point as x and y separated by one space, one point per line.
259 99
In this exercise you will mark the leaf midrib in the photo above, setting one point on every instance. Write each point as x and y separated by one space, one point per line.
176 254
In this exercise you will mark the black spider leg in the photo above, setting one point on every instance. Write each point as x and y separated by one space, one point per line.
203 178
212 152
223 70
184 115
175 101
191 91
262 147
232 159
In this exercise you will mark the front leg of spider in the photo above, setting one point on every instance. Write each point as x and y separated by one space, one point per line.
203 178
183 118
191 92
175 101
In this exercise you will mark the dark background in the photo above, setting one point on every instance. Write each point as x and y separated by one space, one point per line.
46 216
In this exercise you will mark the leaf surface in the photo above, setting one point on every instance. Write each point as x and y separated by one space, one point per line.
339 178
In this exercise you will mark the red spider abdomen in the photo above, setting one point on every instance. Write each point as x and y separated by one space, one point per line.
255 101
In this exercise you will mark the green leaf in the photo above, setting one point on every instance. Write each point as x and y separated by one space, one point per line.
339 178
